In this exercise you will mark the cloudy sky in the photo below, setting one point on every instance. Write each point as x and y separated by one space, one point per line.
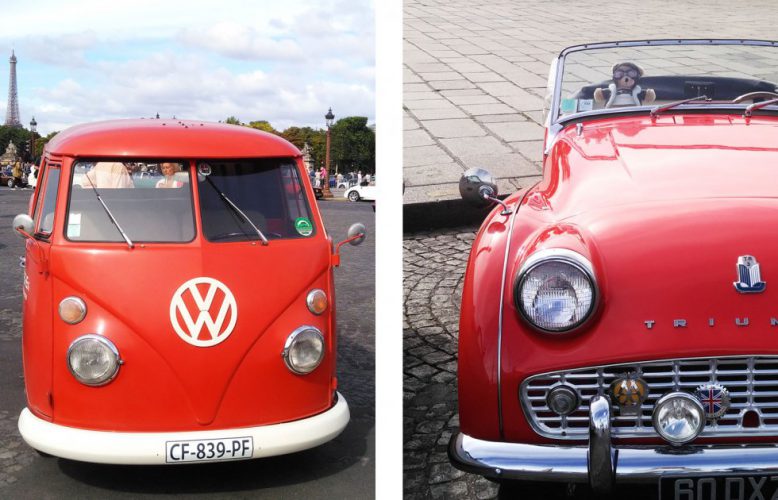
283 61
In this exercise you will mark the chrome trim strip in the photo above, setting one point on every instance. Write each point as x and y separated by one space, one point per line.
600 457
634 464
502 301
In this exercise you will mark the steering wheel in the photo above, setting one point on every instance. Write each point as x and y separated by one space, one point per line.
754 95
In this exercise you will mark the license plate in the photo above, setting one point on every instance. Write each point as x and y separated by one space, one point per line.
726 487
209 450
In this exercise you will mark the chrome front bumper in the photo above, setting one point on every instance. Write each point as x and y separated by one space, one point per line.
600 463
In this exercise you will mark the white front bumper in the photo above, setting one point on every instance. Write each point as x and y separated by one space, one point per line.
149 447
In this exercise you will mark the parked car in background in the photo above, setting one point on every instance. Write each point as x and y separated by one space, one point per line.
357 193
616 323
171 360
7 179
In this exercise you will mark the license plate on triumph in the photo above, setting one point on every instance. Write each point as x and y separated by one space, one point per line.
209 450
722 487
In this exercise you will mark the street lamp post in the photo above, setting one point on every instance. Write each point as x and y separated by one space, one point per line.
33 125
330 118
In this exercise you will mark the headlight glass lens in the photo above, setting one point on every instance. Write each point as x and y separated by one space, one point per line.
304 350
556 295
678 418
93 360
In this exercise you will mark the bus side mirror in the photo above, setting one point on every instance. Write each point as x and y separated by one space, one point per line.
355 236
23 225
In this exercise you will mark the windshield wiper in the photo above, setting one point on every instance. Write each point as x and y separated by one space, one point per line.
237 210
758 105
110 215
664 107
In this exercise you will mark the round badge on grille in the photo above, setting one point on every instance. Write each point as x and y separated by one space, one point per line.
629 391
714 399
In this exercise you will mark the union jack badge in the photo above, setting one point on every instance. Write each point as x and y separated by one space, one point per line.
750 280
714 399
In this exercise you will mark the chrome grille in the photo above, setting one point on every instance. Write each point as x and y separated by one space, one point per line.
752 383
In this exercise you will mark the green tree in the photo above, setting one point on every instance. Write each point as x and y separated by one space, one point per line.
264 126
231 120
352 145
40 143
315 138
19 136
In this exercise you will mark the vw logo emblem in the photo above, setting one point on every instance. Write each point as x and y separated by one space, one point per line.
198 311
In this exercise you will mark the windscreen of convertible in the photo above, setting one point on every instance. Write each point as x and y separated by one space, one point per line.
150 200
733 73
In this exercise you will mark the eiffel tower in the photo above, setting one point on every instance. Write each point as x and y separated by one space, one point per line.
12 113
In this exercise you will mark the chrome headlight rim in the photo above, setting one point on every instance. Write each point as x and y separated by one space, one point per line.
290 341
678 395
310 300
564 256
105 342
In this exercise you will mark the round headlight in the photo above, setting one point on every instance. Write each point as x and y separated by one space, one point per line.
72 310
555 290
317 301
678 417
93 360
304 350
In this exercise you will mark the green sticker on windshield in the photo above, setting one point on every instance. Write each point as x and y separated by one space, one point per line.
303 226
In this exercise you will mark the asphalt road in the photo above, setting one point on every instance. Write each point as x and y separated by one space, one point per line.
342 468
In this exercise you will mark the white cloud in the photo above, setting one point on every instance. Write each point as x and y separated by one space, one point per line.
285 62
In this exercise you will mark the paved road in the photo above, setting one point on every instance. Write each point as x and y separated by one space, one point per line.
343 468
475 74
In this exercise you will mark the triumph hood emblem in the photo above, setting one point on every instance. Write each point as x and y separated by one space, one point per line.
750 280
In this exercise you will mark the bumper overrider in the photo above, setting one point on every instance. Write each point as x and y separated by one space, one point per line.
150 447
600 463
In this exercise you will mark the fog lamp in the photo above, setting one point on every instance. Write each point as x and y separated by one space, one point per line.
304 350
72 310
678 417
563 400
317 301
93 360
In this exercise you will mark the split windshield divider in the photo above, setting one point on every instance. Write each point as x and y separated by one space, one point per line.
236 209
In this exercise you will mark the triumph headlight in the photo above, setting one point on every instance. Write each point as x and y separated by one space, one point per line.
93 360
555 290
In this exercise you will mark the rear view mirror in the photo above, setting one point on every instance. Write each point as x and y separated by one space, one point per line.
477 187
356 234
23 225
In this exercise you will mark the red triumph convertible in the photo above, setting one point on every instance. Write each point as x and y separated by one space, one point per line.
616 324
179 303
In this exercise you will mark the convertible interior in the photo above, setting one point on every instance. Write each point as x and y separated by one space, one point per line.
678 87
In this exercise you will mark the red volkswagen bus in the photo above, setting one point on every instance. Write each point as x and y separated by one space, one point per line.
178 297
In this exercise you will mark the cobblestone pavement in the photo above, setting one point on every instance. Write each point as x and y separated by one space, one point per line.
434 266
475 74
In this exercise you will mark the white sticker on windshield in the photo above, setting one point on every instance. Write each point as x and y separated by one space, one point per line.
74 226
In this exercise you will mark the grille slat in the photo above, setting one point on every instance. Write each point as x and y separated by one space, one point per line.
751 381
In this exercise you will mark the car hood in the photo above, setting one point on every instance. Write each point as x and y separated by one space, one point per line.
634 160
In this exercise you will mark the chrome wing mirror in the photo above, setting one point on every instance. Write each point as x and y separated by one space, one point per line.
477 187
23 225
355 236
